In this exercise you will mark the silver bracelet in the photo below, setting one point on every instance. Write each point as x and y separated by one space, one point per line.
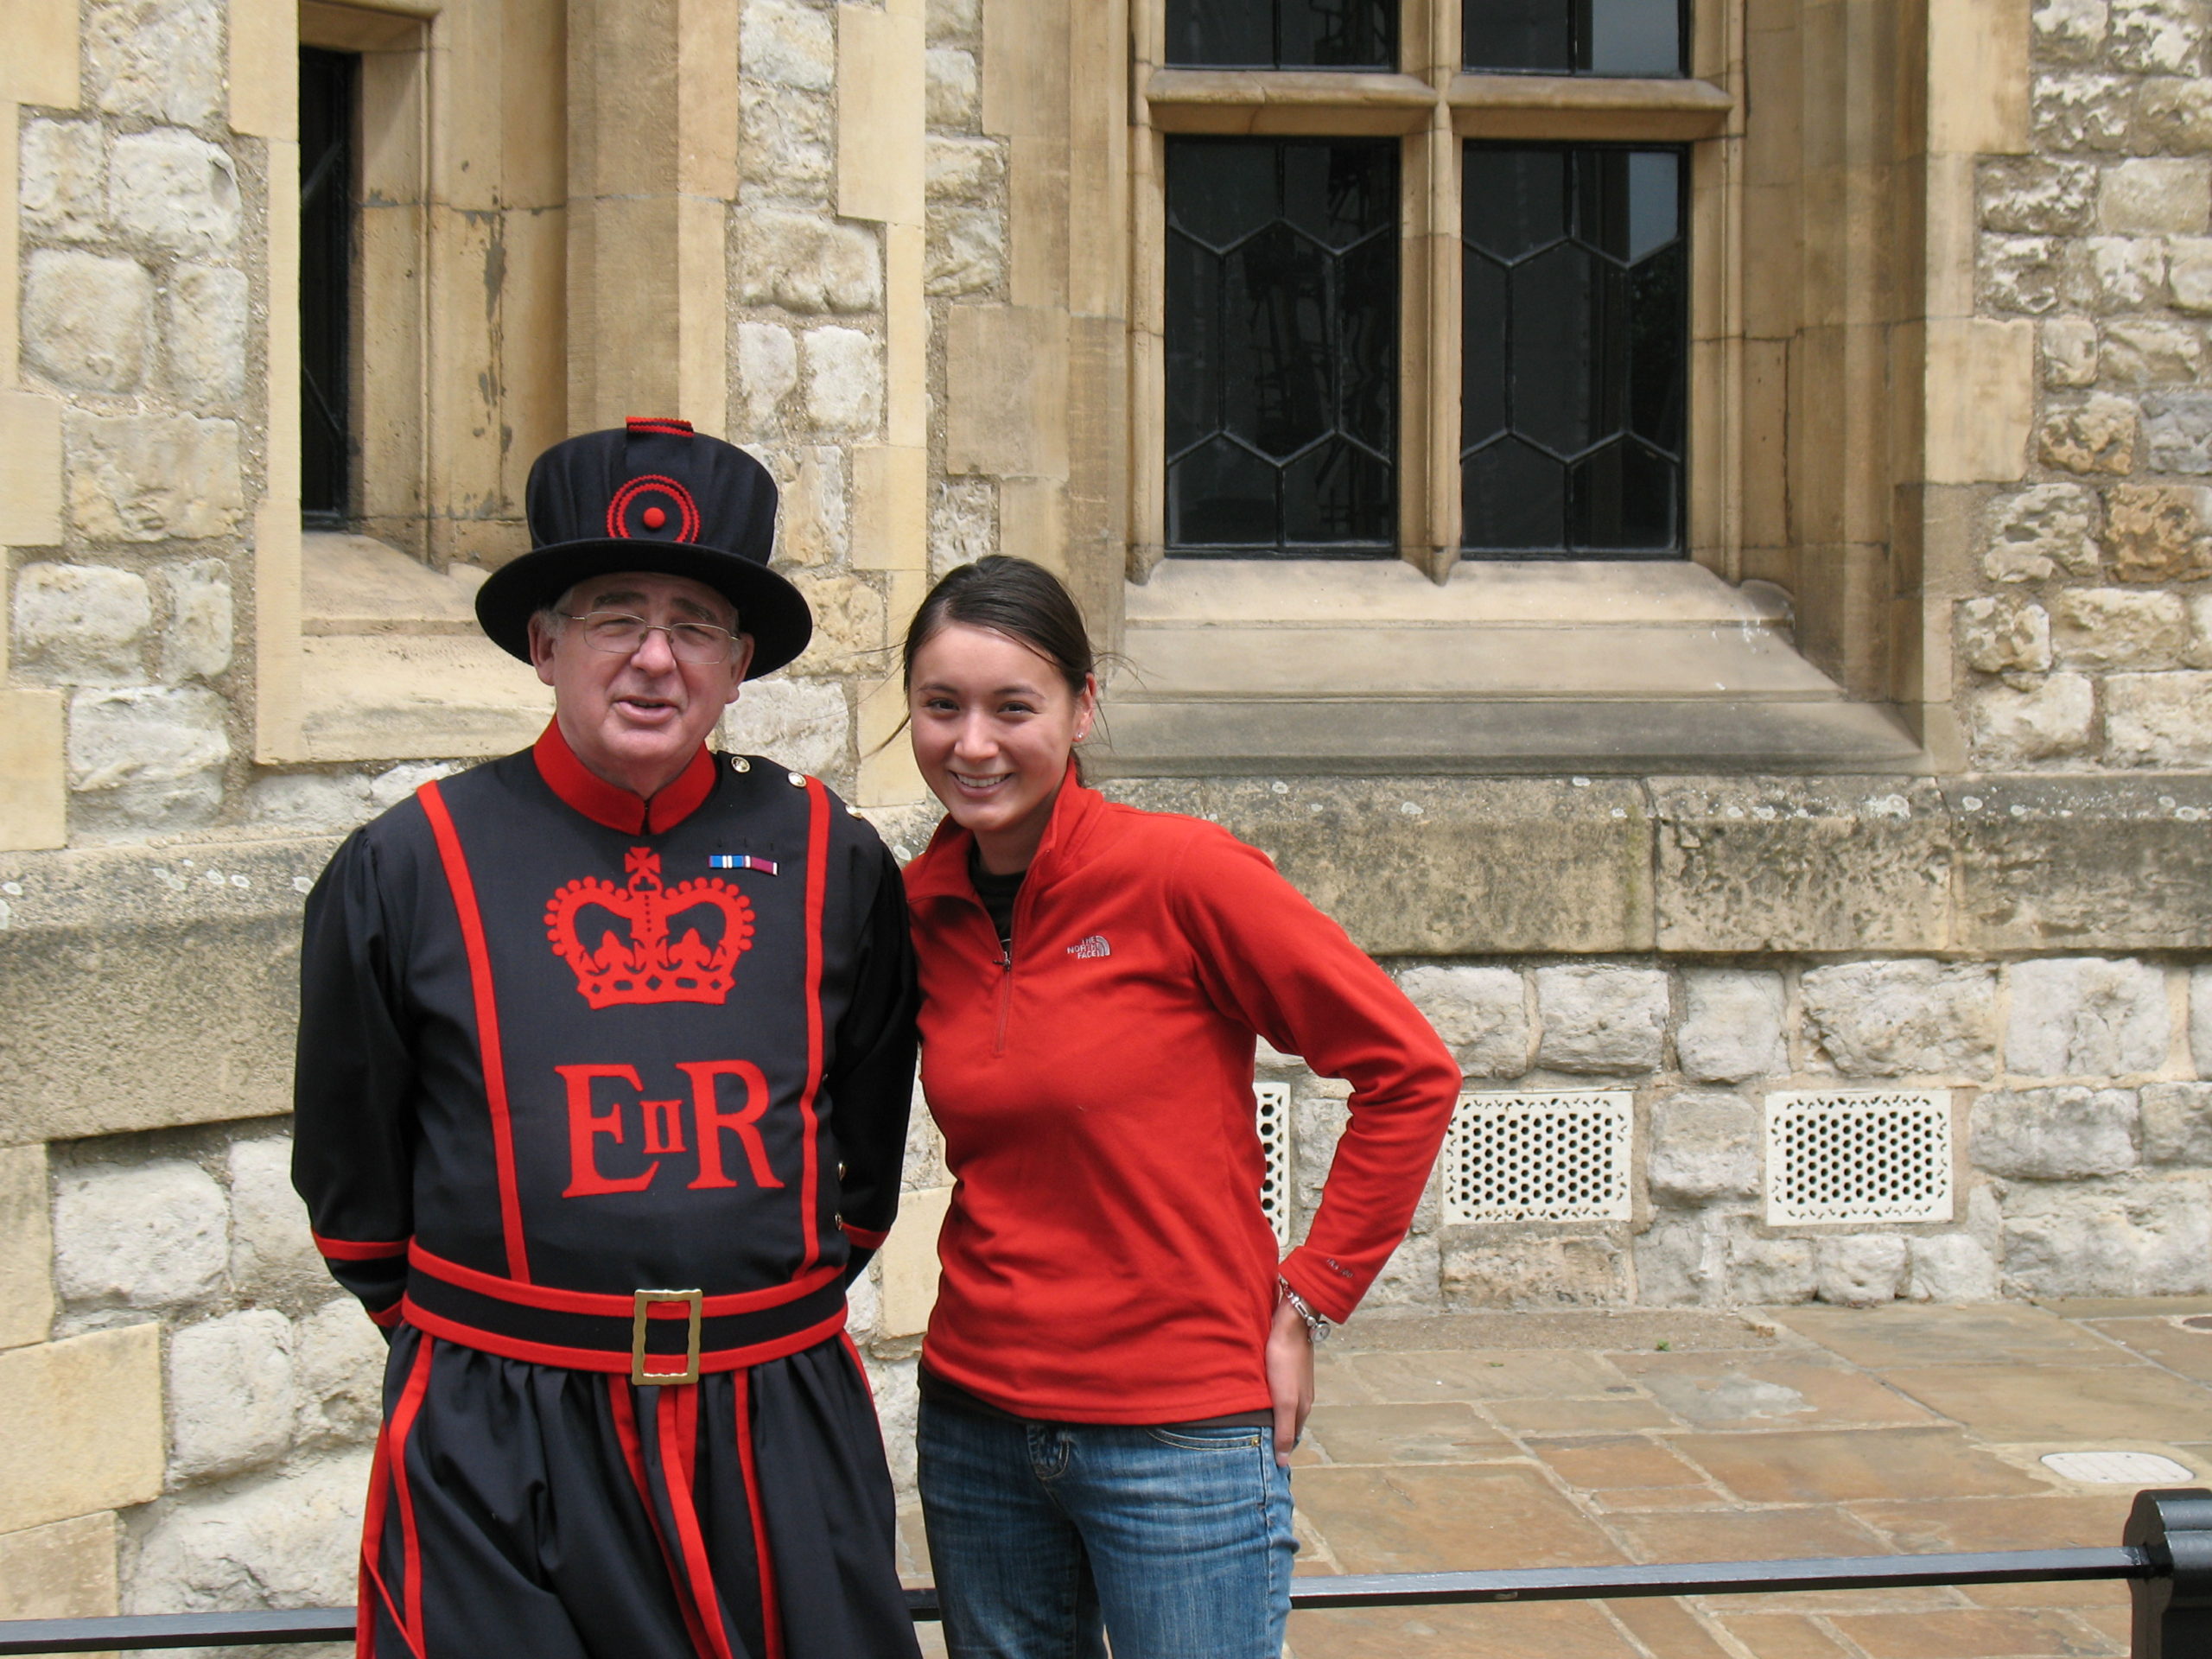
1317 1328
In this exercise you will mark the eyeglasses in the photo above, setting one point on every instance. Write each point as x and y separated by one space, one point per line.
618 633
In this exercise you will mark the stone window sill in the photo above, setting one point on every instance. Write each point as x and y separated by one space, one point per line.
1262 666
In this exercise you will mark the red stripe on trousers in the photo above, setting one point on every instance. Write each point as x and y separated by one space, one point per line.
410 1543
633 1453
387 1472
677 1413
487 1021
764 1562
817 876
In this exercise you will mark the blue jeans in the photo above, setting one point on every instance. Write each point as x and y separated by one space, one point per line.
1045 1536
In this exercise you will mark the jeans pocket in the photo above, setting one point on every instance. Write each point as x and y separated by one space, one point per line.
1219 1437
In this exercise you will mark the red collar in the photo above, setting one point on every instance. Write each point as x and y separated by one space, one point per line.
618 809
942 869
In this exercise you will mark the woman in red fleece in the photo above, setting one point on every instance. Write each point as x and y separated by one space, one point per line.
1118 1366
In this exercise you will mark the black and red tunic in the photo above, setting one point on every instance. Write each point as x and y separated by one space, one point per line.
560 1046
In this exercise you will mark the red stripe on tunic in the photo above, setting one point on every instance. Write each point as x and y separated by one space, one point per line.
817 876
488 1023
402 1425
351 1249
633 1454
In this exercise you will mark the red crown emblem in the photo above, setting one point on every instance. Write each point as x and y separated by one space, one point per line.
645 967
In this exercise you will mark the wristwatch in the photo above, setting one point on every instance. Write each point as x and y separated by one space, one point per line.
1317 1328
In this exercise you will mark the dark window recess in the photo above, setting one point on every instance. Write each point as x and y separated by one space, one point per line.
1283 347
1283 33
328 98
1576 37
1574 353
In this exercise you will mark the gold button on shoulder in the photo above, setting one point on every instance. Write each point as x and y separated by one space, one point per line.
853 811
738 763
798 779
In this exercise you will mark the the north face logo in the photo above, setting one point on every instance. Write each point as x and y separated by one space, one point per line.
1096 945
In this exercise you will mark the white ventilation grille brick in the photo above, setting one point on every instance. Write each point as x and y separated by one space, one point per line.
1539 1157
1273 1101
1857 1156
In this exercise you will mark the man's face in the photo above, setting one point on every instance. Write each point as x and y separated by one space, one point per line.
636 717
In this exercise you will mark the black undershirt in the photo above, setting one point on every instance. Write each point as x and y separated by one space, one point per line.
998 894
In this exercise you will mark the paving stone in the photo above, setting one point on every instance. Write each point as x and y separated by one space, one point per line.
1782 1635
1464 1518
1947 1633
1601 1020
1446 1433
1767 1391
2005 1335
1744 1536
2052 1521
1420 1378
2129 1400
1666 1626
1614 1462
1531 1631
1732 1025
1839 1465
2172 1346
1609 1416
2053 1135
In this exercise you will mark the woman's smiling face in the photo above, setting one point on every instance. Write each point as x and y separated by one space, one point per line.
994 723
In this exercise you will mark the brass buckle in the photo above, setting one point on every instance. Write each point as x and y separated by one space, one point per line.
643 1301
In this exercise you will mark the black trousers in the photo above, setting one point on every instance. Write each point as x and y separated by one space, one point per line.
531 1511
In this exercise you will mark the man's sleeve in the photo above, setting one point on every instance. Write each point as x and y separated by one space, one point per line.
1267 957
353 1083
871 1084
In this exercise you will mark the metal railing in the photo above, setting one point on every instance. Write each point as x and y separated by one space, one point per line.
2165 1556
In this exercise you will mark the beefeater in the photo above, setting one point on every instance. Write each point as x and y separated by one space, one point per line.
605 1053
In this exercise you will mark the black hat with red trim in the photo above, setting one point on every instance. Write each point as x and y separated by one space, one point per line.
654 496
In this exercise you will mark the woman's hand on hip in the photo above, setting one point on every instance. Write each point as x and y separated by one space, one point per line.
1290 1378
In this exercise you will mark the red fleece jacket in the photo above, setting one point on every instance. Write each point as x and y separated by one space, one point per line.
1105 1258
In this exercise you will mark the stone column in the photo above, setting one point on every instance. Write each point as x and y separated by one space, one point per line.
653 173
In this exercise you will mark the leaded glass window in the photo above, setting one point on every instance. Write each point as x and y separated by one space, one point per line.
1283 33
1576 37
1283 346
1574 354
328 104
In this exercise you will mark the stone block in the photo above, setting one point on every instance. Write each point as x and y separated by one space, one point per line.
965 169
843 375
86 320
81 624
2154 1239
2046 720
2138 351
1544 1269
2173 115
2107 274
1981 398
2200 1019
1997 636
1411 1278
2157 36
790 145
81 1426
2069 31
272 1250
159 59
2105 863
898 1402
1860 1269
26 1248
2155 196
848 623
955 20
2038 197
309 800
231 1394
955 91
173 190
2178 427
152 1234
2021 273
1481 1012
1749 864
2096 436
1951 1267
1007 391
2080 111
152 478
1601 1020
1438 866
65 1569
1703 1146
2178 1123
196 643
1770 1272
2086 1017
64 166
767 372
908 1273
1904 1019
966 251
2159 720
292 1539
964 522
207 322
1732 1025
146 757
2054 1135
2119 628
806 263
2069 352
789 44
2040 531
815 527
338 1363
2159 532
1318 1116
803 725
